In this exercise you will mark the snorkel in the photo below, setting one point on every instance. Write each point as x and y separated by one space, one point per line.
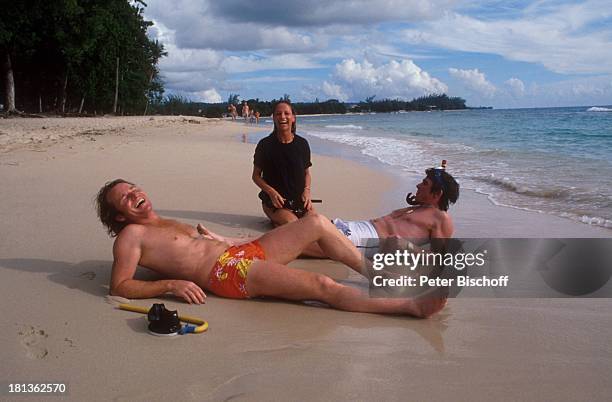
163 322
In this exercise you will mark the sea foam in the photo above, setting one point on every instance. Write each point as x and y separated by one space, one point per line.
540 160
386 150
345 127
529 190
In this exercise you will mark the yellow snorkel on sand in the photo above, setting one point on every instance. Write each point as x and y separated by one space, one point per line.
163 322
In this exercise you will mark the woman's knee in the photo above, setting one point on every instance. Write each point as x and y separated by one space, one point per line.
280 216
317 219
285 217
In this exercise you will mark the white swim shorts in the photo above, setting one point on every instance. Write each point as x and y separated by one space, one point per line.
361 233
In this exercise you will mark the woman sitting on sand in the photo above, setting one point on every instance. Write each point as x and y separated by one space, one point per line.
281 169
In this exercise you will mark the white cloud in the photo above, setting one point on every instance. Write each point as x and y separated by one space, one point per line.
589 91
592 89
160 32
275 79
246 37
188 81
191 84
334 91
239 45
329 12
192 24
403 80
209 96
516 87
185 60
475 81
238 64
558 37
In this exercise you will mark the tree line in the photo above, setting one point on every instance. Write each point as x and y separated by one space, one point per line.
423 103
94 57
176 104
78 56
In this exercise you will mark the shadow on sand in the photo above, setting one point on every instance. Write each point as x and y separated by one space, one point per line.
91 276
258 223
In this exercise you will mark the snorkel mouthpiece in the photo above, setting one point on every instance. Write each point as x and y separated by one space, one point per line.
163 322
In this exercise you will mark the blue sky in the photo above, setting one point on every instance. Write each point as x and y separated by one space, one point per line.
504 54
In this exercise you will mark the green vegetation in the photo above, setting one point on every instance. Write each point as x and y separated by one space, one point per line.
74 56
94 57
424 103
174 105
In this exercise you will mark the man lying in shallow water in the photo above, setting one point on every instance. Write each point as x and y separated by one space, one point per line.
193 262
426 219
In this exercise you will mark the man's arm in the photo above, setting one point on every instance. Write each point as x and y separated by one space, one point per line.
126 254
441 232
232 241
444 229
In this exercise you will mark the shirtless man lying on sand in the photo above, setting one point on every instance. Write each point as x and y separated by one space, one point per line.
427 217
194 262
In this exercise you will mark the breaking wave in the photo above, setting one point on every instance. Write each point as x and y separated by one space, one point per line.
599 109
525 189
345 127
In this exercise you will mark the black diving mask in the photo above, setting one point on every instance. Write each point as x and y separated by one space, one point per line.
163 322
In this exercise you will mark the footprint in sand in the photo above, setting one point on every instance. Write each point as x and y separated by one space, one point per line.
34 341
88 275
69 342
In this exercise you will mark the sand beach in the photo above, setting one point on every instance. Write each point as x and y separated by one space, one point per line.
59 326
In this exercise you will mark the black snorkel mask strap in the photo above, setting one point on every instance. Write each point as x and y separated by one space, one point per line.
434 173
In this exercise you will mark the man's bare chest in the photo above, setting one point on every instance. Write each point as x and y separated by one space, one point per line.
169 235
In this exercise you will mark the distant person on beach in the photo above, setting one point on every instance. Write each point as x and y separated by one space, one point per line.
281 169
245 111
427 217
193 259
232 109
257 117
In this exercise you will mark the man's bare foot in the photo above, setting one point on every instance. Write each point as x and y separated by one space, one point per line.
426 307
429 304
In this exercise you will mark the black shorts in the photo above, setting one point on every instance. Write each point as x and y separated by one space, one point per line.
295 206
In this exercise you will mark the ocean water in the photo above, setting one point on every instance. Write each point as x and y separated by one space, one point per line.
549 160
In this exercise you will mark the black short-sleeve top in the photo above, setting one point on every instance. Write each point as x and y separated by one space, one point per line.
283 165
